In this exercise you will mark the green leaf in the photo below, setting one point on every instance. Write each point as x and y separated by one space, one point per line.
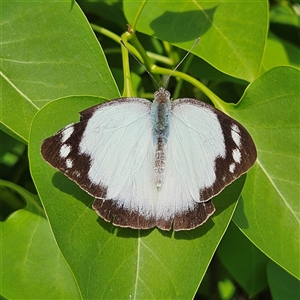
282 284
243 260
32 265
48 50
268 212
279 53
216 22
120 262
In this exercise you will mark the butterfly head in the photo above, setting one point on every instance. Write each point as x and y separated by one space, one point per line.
162 96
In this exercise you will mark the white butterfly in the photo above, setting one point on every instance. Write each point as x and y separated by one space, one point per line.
152 164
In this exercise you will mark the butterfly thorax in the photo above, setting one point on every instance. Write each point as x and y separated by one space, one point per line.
160 128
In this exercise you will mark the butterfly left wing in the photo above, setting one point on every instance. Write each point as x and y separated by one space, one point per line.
109 154
206 151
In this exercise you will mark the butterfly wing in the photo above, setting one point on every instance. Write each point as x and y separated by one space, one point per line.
109 154
206 151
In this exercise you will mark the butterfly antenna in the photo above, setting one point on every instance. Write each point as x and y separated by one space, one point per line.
122 42
168 78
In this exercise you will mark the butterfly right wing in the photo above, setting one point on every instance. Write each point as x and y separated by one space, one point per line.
206 151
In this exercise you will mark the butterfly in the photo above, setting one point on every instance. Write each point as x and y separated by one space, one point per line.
154 163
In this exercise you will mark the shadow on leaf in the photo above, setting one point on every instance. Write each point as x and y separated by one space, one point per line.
185 26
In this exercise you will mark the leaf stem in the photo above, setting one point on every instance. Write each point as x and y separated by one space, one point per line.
128 90
137 15
157 57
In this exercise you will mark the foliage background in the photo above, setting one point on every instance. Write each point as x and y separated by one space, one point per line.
53 66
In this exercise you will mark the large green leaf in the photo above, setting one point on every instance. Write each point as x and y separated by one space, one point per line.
32 265
268 212
221 25
48 50
110 262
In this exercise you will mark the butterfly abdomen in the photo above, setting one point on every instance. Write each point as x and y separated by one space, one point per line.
160 160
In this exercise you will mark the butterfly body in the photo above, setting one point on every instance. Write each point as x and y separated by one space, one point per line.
152 164
160 111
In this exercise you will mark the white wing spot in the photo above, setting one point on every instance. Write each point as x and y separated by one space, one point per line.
69 163
231 168
236 154
64 151
235 134
67 133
